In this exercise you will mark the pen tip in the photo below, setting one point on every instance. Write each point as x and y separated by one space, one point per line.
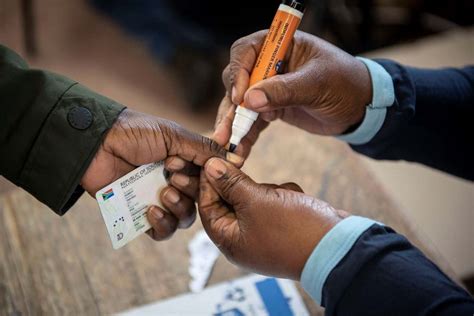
232 147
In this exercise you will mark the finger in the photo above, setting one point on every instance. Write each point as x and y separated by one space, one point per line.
219 222
243 55
193 147
179 205
270 116
291 186
230 183
176 164
163 223
298 88
139 139
225 108
236 81
252 136
186 185
223 130
224 119
246 144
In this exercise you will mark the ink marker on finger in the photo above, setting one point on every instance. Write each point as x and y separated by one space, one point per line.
233 146
269 61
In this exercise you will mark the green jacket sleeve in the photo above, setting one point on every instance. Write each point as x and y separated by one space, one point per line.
50 129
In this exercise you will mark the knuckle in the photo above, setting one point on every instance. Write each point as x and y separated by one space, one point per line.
243 41
183 209
212 147
172 134
189 210
231 182
189 218
216 148
234 68
160 235
259 35
226 74
283 92
179 211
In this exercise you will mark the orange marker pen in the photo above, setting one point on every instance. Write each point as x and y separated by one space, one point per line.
269 61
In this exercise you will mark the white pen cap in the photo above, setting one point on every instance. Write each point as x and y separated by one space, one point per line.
242 123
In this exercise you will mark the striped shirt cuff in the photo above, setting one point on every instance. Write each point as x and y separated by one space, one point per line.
329 252
383 96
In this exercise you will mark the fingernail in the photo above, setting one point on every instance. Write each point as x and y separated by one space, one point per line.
155 212
172 196
176 164
233 94
216 168
235 159
180 179
257 98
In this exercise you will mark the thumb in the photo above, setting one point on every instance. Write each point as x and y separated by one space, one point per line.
297 88
234 186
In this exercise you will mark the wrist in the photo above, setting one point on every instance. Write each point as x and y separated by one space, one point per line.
330 251
364 95
324 218
383 96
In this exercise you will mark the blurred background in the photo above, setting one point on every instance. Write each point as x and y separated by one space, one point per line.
166 57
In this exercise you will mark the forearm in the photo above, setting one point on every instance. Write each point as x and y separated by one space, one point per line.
428 121
380 266
51 129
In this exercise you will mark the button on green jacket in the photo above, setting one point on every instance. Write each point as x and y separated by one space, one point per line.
50 129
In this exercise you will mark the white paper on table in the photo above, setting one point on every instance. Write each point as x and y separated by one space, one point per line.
252 295
203 255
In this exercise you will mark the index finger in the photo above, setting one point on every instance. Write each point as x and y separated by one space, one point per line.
243 55
223 125
193 147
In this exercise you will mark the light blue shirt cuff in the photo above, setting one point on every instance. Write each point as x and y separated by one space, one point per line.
383 96
331 249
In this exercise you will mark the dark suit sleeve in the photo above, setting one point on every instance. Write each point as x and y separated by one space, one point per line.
430 121
50 129
384 274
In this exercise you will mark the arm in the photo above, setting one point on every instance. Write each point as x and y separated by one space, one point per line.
378 271
384 110
429 122
51 128
59 139
349 264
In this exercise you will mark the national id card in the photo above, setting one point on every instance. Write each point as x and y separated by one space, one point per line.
124 203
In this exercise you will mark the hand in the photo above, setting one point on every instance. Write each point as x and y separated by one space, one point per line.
325 90
266 228
137 139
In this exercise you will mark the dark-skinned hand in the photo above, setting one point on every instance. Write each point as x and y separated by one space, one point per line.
266 228
324 90
137 139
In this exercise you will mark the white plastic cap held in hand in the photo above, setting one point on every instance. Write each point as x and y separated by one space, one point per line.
243 121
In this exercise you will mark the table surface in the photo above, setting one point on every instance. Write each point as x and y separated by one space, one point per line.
66 265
